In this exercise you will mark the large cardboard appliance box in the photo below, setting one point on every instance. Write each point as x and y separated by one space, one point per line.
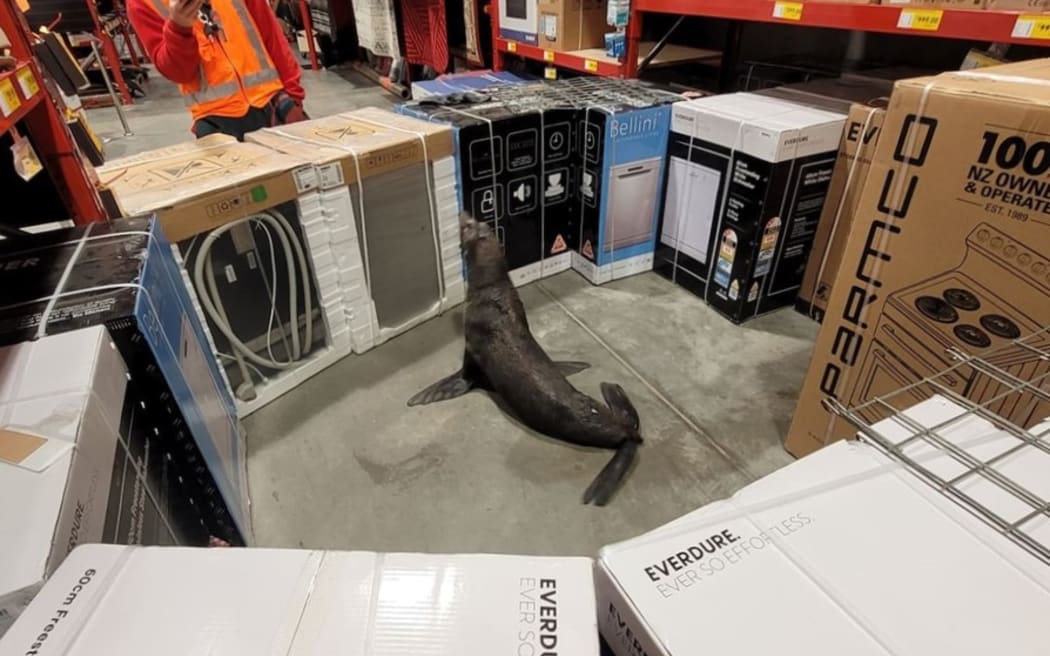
518 20
78 453
245 602
859 138
239 210
746 183
121 274
843 552
391 178
950 249
567 25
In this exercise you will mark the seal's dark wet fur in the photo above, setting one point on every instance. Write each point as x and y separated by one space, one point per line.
502 356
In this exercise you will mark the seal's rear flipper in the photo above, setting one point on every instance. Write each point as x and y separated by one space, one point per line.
569 367
443 390
617 400
610 477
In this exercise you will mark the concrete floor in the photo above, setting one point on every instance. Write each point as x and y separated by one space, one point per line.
341 462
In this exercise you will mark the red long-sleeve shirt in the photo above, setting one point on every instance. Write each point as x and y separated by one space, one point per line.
173 49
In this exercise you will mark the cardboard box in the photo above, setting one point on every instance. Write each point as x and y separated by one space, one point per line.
121 274
77 450
572 24
949 249
245 602
215 185
859 139
518 20
746 184
391 180
842 552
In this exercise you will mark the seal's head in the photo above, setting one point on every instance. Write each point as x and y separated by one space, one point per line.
481 250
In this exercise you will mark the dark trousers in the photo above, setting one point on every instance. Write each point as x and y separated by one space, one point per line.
281 110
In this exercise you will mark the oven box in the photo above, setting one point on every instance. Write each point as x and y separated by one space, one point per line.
859 139
747 179
949 249
842 552
623 149
245 602
518 20
202 192
121 274
567 25
527 196
393 183
75 450
465 81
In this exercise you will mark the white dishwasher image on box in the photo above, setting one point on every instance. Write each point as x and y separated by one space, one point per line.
630 212
692 190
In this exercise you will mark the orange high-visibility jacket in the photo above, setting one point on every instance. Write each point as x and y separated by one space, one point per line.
235 71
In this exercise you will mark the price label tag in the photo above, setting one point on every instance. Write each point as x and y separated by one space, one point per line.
512 46
787 10
9 100
548 55
27 81
1031 26
590 65
550 73
927 20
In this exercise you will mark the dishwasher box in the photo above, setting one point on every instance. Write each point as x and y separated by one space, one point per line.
245 602
122 275
390 180
519 20
237 212
747 180
77 451
949 253
856 149
842 552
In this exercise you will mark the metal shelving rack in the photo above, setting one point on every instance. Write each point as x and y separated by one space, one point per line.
909 437
975 25
27 102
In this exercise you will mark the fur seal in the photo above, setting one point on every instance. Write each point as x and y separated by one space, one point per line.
502 356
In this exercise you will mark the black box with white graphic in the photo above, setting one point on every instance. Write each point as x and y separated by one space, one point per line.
747 178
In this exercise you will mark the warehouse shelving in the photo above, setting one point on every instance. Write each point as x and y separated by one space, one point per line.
969 24
27 105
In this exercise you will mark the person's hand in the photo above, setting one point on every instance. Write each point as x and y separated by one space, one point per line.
184 12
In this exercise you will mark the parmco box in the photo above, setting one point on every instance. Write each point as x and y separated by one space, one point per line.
746 184
122 274
950 249
246 602
842 552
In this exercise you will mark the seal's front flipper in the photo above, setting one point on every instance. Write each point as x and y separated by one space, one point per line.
443 390
569 367
617 400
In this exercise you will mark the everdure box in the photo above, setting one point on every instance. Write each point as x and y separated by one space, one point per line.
950 249
246 602
122 274
236 211
747 180
78 451
842 552
859 139
397 177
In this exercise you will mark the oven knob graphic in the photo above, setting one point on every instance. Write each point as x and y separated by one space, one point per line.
997 243
1039 268
983 235
1010 251
1024 259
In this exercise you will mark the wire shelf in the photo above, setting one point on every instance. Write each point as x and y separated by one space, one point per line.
983 483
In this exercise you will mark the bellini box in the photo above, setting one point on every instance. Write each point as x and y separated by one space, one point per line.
949 253
747 180
245 602
123 275
843 552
